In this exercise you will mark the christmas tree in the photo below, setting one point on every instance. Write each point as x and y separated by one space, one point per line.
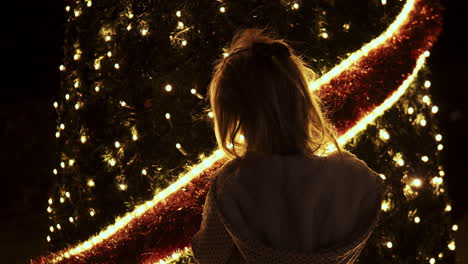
135 130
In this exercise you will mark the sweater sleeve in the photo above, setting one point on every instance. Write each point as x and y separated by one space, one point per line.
212 244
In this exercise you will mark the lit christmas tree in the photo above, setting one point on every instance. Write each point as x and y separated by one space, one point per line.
135 133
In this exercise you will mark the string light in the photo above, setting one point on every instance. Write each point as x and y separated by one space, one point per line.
438 137
410 110
455 227
71 162
57 134
423 122
210 114
67 8
441 173
62 164
389 244
384 2
91 183
440 147
59 227
346 26
51 228
50 201
49 209
448 208
77 106
417 219
179 147
129 27
62 126
77 13
62 200
67 194
425 158
70 219
417 182
180 25
48 238
295 6
178 13
222 9
168 87
184 43
144 172
61 68
432 261
83 139
144 32
122 187
67 97
427 84
89 3
97 88
109 54
117 144
92 212
107 38
451 245
55 104
117 66
383 134
168 116
426 100
324 35
112 162
435 109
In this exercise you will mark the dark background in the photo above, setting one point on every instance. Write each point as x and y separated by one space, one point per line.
31 52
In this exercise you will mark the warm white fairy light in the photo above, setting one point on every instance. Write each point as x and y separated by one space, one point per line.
432 261
107 38
324 35
55 172
77 13
423 122
67 194
425 158
184 42
49 209
117 66
51 228
426 100
168 116
455 227
210 114
144 172
70 219
346 26
61 68
416 182
451 245
129 27
295 6
96 88
222 9
62 126
417 220
438 137
62 164
117 144
50 201
410 110
168 87
384 2
427 84
442 173
59 227
122 187
112 162
89 3
57 134
109 54
440 147
48 238
435 109
83 139
92 212
389 244
448 208
91 183
180 25
383 134
178 13
67 8
71 162
55 104
62 200
385 206
67 97
77 106
144 32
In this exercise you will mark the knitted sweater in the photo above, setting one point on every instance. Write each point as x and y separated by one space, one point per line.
289 209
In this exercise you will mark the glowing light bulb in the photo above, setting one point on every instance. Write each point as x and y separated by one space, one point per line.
107 38
83 139
61 68
117 144
448 208
144 172
71 162
417 182
135 137
425 158
455 227
427 84
423 122
67 8
144 32
109 54
168 87
389 244
89 4
117 66
112 162
129 27
440 147
435 109
168 116
77 13
225 54
77 106
184 43
59 227
222 9
384 2
50 200
451 245
51 228
48 238
178 13
210 114
91 183
426 100
62 164
410 110
70 219
49 209
417 219
438 137
130 15
57 134
97 88
193 91
62 126
324 35
55 104
67 97
385 206
180 24
67 194
295 6
97 65
62 200
346 27
229 146
122 187
92 212
242 138
383 134
400 162
432 261
441 255
442 173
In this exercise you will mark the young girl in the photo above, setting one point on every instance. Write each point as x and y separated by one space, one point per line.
279 199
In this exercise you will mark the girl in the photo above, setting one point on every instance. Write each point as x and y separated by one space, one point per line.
280 199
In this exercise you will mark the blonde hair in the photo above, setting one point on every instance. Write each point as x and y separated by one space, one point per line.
267 100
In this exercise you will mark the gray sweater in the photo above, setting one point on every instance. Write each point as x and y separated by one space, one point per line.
289 209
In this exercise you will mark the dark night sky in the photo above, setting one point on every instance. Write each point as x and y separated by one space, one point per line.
32 45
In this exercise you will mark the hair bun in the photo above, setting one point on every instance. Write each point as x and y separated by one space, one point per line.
267 50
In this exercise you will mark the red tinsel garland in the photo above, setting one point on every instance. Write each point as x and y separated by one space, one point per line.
171 224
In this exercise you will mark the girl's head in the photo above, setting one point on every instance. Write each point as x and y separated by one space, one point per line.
261 102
